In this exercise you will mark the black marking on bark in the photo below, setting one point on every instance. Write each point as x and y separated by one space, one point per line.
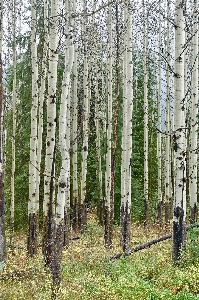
83 217
67 232
178 233
193 213
126 231
175 147
159 208
107 229
33 225
74 214
62 185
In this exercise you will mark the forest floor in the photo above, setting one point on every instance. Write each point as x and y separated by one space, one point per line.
88 272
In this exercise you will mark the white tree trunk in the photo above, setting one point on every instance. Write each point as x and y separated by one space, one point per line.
108 225
194 120
85 116
2 199
128 108
146 172
14 97
42 92
168 185
64 126
33 215
124 113
49 180
75 143
159 137
98 120
179 134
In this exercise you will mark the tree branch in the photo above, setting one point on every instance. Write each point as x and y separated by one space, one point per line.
149 243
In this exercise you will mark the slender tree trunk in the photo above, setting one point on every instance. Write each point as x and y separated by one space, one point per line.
146 172
84 164
42 92
179 233
103 131
14 96
194 120
75 145
33 215
168 184
108 221
159 137
2 199
115 116
49 178
127 132
64 135
123 158
98 120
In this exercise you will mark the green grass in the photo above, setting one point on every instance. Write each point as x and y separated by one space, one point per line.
88 272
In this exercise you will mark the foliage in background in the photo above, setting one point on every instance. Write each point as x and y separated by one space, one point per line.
92 195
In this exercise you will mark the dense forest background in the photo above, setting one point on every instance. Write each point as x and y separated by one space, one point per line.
99 124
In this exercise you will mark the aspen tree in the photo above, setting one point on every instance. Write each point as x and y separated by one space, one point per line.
194 119
98 138
2 200
64 137
42 91
49 178
115 112
179 134
33 214
14 97
85 116
159 137
98 73
75 143
123 158
103 132
168 186
126 131
108 222
146 179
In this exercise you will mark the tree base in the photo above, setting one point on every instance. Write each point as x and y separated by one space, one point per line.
33 228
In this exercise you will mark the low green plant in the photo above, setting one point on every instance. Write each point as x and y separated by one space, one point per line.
191 256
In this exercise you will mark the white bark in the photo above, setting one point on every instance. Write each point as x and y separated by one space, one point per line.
42 91
159 137
98 135
146 172
194 117
14 97
168 185
64 123
109 130
127 131
85 116
124 109
2 198
129 104
179 133
75 133
179 108
51 101
33 135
